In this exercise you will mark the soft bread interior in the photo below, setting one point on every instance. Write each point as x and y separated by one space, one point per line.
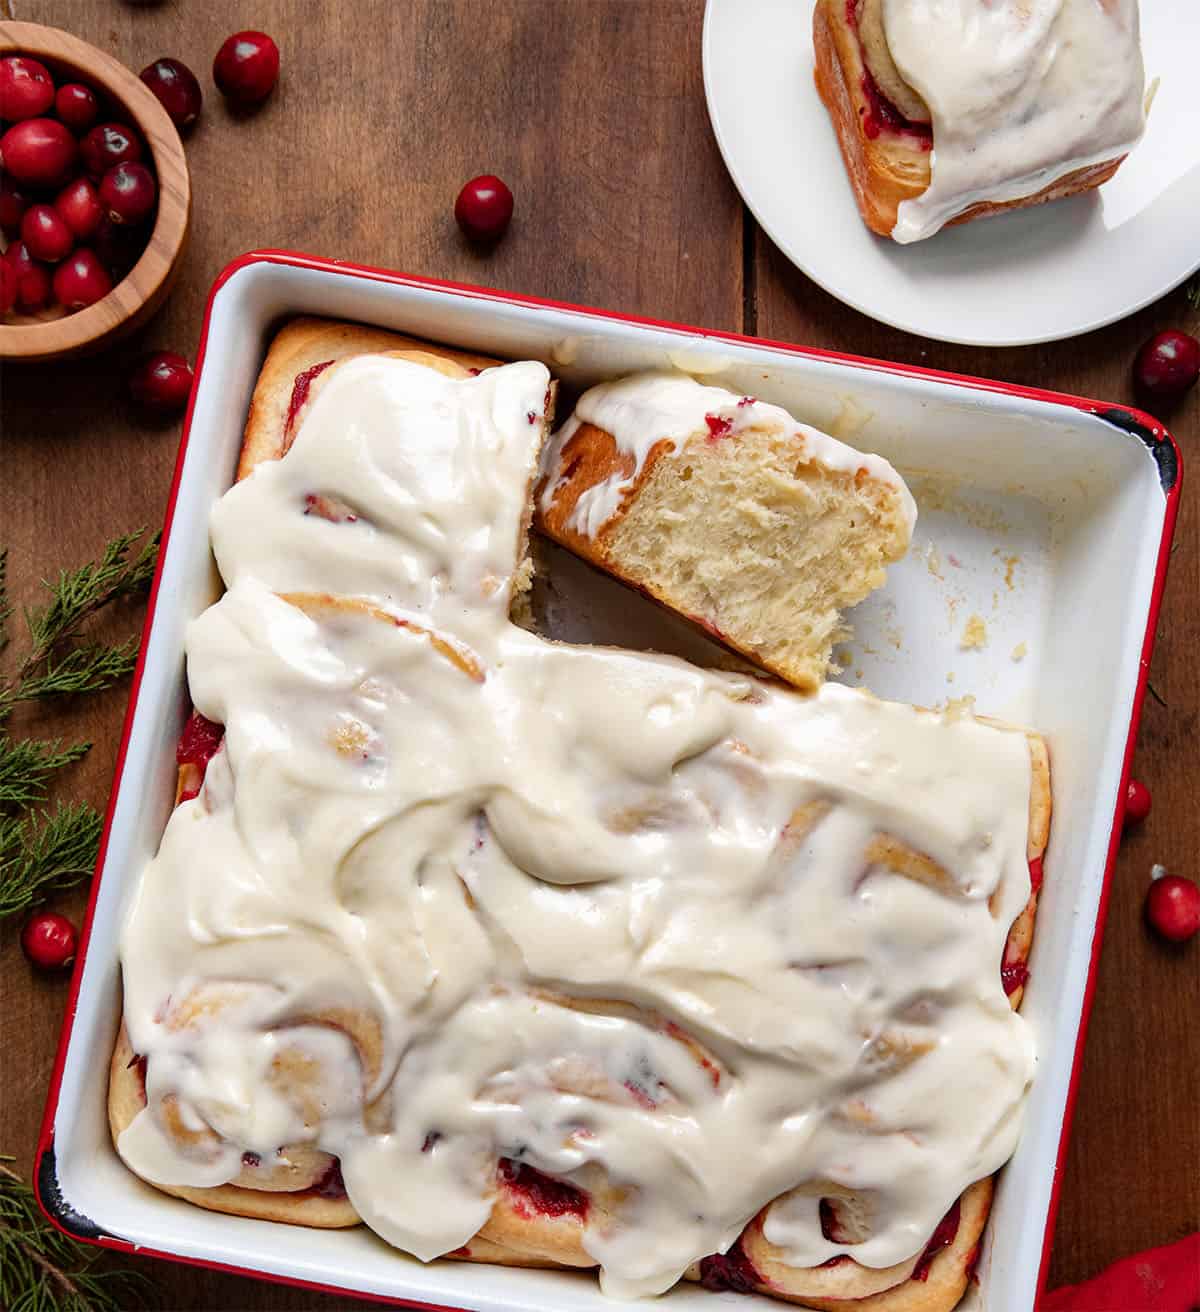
760 548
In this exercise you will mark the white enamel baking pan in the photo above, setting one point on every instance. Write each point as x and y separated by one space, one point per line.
1045 529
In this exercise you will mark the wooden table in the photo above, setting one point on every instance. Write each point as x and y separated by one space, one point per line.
593 111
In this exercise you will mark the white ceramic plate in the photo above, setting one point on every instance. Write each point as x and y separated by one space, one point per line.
1033 275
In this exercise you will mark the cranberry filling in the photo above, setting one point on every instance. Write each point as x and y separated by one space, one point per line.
138 1063
941 1238
331 1184
718 427
640 1096
1035 874
336 512
200 740
882 116
732 1270
198 744
830 1228
300 390
1013 975
542 1193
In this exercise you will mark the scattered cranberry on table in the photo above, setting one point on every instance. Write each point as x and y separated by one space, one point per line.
77 106
128 193
484 208
1137 803
1173 907
49 940
161 382
79 205
176 87
38 151
81 280
26 88
107 145
1167 366
246 68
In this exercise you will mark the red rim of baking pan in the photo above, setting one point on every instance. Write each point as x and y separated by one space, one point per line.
1136 423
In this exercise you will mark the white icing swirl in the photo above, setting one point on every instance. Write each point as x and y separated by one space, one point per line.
608 914
1021 93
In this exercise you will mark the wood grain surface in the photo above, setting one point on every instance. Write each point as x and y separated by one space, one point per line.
593 111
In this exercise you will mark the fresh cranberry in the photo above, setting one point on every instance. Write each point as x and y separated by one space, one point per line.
331 1184
484 208
46 234
49 940
119 248
81 280
161 383
176 87
247 67
542 1193
13 203
33 279
77 106
39 151
80 208
1167 365
8 286
1137 803
108 145
128 192
26 88
1173 907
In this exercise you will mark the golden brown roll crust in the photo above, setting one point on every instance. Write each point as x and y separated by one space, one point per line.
890 167
306 343
291 1193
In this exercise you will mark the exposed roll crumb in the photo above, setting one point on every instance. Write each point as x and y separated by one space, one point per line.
1019 652
974 634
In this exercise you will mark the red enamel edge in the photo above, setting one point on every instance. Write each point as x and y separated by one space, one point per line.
294 259
1114 841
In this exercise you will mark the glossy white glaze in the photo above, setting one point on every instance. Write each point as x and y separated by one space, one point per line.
462 835
1021 93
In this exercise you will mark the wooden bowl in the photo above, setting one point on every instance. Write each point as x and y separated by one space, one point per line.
55 334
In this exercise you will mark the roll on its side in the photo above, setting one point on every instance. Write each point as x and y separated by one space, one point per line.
725 509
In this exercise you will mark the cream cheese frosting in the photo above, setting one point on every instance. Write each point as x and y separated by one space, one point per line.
643 410
634 924
1021 93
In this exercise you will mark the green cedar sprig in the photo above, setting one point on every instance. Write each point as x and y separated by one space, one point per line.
44 851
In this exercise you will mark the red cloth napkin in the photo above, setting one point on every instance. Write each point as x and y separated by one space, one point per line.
1159 1280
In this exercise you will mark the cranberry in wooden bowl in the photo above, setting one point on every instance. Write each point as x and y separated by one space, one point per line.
106 298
